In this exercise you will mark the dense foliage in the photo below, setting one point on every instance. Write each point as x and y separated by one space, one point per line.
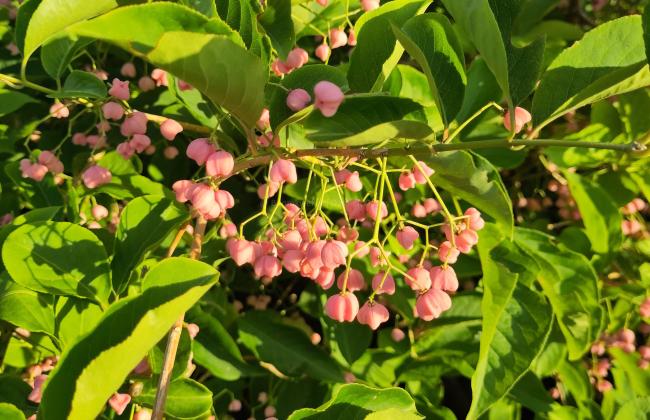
324 209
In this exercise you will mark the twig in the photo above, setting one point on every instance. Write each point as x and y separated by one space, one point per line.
427 151
175 333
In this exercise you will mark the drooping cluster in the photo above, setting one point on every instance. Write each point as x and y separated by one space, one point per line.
313 247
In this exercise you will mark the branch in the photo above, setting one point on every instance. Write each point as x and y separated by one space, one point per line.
427 151
195 128
175 333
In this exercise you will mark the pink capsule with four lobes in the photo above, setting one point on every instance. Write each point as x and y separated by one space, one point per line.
418 278
297 58
338 38
388 286
96 176
112 111
372 314
284 170
354 283
374 208
431 304
328 97
120 90
199 150
146 84
298 99
406 181
136 123
522 117
159 76
368 5
448 253
119 402
170 128
407 236
342 307
444 278
323 52
128 70
140 142
242 251
220 164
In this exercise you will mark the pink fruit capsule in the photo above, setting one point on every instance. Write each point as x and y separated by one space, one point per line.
322 52
342 307
297 58
118 402
406 181
128 70
284 171
406 236
444 278
159 76
388 287
219 164
328 97
522 117
146 84
96 176
431 304
338 38
199 150
170 128
418 278
298 99
372 314
243 251
113 111
354 283
120 90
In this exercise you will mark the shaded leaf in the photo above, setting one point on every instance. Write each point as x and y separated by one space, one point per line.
82 84
356 401
431 41
578 76
600 215
362 120
136 324
570 284
25 308
285 347
377 52
276 21
187 399
39 256
144 223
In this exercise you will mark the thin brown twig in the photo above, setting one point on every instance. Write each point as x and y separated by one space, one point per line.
175 333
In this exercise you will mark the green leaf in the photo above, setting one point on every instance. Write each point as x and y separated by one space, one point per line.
25 308
156 356
351 339
645 22
356 401
139 28
136 324
225 72
362 120
482 88
10 412
570 284
634 409
74 318
14 390
11 101
58 258
600 215
432 42
36 215
276 21
216 350
39 194
24 15
195 103
57 53
473 179
377 52
187 399
525 63
305 78
285 347
207 7
205 53
53 16
516 321
82 84
130 186
578 76
144 223
478 23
